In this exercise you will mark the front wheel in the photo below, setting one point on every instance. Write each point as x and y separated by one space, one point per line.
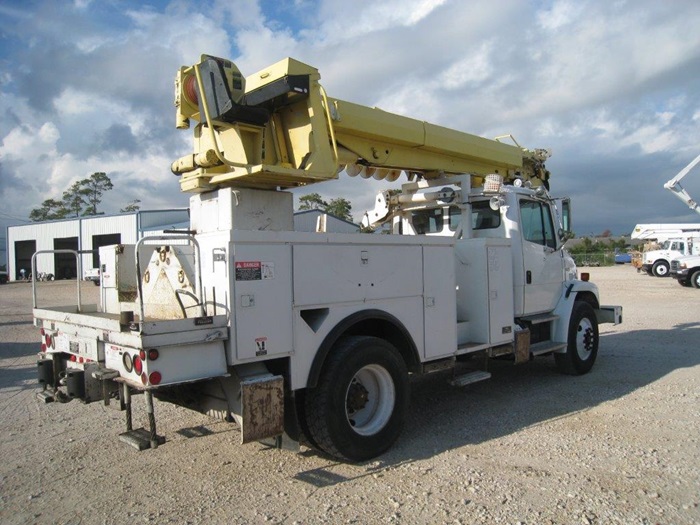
695 279
660 269
357 410
582 342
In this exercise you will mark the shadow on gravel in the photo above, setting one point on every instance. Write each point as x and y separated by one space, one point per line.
28 322
25 378
442 417
12 374
13 350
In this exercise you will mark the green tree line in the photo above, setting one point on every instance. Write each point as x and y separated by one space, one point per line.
81 199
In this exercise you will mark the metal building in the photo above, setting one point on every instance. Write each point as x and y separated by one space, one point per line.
306 221
82 234
87 234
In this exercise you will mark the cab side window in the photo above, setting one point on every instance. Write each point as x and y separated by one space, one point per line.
537 224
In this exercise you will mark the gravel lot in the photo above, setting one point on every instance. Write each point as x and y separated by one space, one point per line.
530 446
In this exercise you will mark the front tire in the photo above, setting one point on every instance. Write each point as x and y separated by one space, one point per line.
661 269
695 279
582 348
357 410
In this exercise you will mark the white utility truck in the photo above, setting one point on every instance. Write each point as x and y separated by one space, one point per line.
658 262
678 240
686 270
312 337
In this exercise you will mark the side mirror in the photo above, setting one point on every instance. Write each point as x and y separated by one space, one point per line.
566 215
565 235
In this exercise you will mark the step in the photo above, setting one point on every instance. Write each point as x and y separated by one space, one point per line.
140 439
469 347
539 318
546 347
471 377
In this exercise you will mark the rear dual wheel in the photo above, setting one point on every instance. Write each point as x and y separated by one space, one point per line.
358 408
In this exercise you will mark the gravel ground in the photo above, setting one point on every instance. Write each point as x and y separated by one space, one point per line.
530 446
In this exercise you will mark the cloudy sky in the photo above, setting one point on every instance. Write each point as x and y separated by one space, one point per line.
611 86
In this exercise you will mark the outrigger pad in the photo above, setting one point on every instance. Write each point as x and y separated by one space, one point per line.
139 438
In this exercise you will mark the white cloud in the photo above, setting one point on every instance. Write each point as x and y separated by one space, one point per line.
561 14
612 87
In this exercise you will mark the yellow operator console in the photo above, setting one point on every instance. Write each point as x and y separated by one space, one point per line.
278 129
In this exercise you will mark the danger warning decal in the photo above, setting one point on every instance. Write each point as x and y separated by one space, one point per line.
254 270
261 346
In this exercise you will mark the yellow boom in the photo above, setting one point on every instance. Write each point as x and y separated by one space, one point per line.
278 129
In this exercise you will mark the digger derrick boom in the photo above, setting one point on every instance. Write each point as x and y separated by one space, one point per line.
279 129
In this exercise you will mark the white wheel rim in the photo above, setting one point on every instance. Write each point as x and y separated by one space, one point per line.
370 399
662 269
585 338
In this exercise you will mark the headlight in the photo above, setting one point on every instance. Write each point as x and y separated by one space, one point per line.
682 266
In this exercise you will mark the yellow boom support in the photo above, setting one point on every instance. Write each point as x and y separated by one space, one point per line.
278 129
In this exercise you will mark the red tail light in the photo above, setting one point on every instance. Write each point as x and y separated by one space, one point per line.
155 378
42 332
43 347
138 365
144 378
153 354
142 355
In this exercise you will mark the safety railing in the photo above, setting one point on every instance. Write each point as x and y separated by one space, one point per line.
79 269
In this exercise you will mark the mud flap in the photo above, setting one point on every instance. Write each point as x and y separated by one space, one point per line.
262 408
522 346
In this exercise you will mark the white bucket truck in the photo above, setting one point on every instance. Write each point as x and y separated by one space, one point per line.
312 337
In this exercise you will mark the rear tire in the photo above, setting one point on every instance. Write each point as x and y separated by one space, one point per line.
358 408
661 269
582 348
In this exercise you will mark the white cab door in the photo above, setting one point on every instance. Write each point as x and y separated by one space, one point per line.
543 264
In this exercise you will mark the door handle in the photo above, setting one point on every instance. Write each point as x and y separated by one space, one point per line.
528 277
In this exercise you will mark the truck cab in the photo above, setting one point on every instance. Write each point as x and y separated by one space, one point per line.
528 220
658 262
686 270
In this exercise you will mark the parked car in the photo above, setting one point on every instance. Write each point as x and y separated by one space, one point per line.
3 277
